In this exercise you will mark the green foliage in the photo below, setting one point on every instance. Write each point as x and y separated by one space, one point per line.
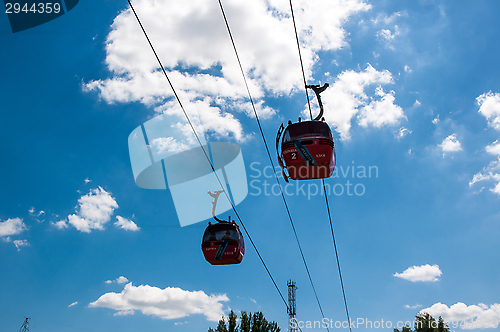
232 322
248 323
245 320
426 323
222 326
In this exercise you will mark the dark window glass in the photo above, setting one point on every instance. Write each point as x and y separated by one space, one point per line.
307 129
220 235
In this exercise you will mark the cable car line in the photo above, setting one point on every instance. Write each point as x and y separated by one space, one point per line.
336 254
269 155
208 159
322 180
300 57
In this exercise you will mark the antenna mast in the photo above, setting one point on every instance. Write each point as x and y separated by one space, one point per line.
25 327
292 319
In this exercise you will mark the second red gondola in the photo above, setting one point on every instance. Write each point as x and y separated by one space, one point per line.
222 243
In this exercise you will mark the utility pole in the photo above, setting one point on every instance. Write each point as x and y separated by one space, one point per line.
25 327
292 319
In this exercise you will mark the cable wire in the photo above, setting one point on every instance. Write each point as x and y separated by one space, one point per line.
206 155
322 180
270 158
300 57
336 254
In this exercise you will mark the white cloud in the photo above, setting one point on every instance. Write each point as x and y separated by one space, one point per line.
381 112
61 224
346 98
436 120
95 210
450 144
12 226
167 303
124 313
416 306
490 172
180 323
420 273
383 18
408 69
388 37
191 39
119 280
21 243
480 315
72 304
402 132
33 213
126 224
494 148
490 108
167 144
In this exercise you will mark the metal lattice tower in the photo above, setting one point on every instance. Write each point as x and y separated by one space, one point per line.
25 327
291 306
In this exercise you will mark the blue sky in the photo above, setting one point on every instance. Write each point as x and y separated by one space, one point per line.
414 94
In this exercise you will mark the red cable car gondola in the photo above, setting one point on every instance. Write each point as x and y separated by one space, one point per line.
307 147
222 243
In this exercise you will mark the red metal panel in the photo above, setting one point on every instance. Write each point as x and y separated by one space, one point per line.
321 149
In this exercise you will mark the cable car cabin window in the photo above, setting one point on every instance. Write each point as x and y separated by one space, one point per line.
307 129
221 235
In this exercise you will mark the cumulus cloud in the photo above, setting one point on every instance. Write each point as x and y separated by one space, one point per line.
489 173
72 304
380 112
191 39
119 280
347 99
167 144
467 317
126 224
61 224
420 273
450 144
11 227
490 108
167 303
94 211
494 148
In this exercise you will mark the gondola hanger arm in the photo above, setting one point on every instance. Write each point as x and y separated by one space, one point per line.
317 90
